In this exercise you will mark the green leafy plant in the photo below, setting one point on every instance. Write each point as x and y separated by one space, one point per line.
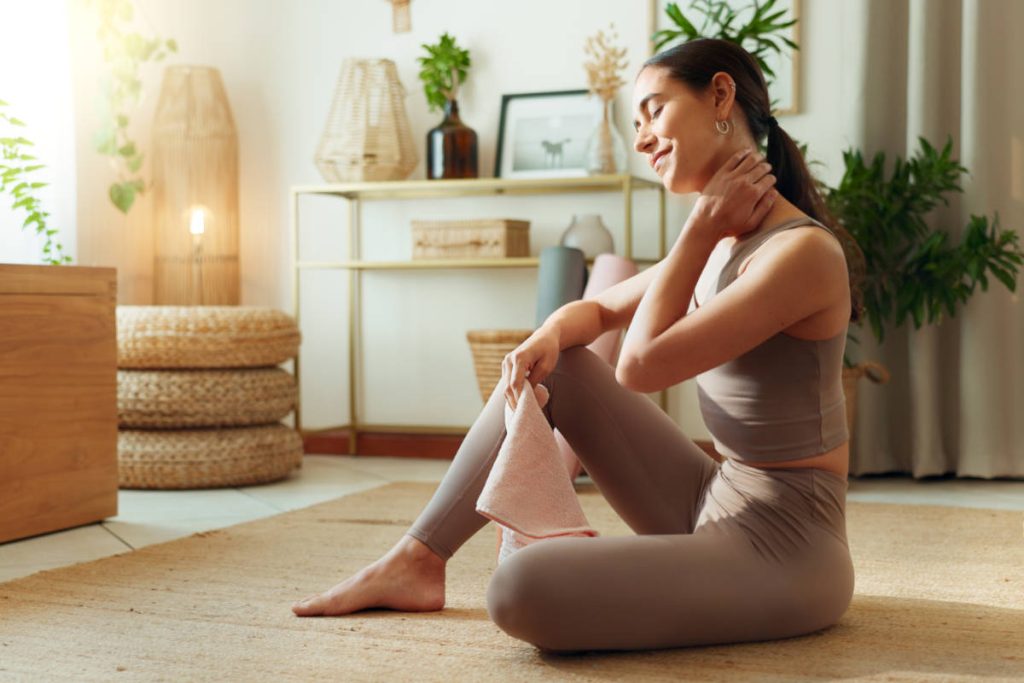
125 50
442 71
16 169
912 272
758 35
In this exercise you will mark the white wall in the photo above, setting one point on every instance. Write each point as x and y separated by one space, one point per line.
35 81
280 61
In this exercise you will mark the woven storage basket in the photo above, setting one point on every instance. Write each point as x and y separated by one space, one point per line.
203 398
206 458
483 238
489 348
172 337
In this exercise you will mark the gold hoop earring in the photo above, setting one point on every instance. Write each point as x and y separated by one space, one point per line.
722 127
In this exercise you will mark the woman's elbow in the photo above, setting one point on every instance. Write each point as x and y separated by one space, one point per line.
629 372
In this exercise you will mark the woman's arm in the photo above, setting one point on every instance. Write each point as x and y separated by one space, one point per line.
793 276
578 323
668 297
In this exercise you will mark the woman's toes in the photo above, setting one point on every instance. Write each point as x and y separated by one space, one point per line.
310 606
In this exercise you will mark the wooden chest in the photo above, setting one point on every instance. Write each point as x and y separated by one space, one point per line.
58 398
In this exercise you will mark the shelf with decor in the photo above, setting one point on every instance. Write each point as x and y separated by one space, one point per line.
357 192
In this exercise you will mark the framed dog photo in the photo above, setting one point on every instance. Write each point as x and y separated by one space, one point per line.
544 134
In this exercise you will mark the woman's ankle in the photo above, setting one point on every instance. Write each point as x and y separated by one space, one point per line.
411 548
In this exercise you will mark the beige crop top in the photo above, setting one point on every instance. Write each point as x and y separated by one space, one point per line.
783 399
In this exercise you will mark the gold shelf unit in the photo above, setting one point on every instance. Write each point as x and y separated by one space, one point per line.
356 193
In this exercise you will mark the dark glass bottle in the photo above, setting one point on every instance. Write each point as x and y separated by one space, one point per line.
451 147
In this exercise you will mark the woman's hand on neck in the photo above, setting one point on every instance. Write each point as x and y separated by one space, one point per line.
736 199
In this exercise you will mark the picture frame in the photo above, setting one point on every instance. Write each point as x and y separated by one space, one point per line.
786 87
544 134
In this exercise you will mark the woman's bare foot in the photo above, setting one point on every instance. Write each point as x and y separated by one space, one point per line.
409 578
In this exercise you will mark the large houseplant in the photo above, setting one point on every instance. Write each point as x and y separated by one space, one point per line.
760 35
911 272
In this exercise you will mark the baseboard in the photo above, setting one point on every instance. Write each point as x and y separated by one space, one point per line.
436 446
402 445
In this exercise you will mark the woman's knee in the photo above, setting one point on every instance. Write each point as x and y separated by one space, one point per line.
579 360
520 599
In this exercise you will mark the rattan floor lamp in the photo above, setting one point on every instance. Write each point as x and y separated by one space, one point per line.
195 191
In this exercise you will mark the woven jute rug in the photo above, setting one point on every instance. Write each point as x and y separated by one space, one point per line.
939 596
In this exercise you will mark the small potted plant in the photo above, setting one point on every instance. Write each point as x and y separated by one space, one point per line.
910 271
452 145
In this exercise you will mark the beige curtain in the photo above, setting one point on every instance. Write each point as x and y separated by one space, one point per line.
932 68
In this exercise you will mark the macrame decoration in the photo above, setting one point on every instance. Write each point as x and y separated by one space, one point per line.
401 19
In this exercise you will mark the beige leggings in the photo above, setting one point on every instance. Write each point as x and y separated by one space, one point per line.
723 553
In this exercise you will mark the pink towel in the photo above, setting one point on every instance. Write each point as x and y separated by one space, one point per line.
608 270
527 492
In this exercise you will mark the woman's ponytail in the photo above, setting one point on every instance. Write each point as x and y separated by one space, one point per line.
795 182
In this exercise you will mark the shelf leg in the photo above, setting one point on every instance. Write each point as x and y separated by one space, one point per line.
354 315
293 219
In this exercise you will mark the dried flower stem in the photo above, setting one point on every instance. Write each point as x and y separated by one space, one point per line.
605 64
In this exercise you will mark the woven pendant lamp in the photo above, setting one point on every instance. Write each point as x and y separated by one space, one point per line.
195 190
367 135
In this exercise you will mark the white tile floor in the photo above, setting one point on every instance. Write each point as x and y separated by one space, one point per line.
147 517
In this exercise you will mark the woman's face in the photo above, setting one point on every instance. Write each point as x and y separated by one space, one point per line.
675 129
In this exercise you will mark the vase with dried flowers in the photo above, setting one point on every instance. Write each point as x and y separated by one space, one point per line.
606 150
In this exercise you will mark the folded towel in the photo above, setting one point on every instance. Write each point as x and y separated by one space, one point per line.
527 493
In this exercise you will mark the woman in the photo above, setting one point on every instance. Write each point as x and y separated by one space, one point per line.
753 548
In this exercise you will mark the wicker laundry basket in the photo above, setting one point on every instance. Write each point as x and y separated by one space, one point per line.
489 348
203 398
206 458
170 337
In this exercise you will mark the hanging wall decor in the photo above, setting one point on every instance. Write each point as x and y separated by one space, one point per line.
195 191
367 135
401 20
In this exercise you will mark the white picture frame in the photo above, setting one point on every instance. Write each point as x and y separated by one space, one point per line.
544 134
785 90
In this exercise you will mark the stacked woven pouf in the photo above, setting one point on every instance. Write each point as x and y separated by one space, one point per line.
200 396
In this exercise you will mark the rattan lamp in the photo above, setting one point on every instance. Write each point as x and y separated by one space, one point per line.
195 191
367 135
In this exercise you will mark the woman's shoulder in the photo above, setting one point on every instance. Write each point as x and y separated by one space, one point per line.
800 238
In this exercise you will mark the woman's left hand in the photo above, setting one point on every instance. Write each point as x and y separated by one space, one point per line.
737 198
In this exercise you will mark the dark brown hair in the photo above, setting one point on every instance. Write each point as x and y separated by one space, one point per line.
694 63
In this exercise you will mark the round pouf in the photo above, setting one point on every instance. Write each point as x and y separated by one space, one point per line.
174 337
206 458
203 398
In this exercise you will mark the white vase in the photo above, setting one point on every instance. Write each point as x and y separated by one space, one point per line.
588 233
